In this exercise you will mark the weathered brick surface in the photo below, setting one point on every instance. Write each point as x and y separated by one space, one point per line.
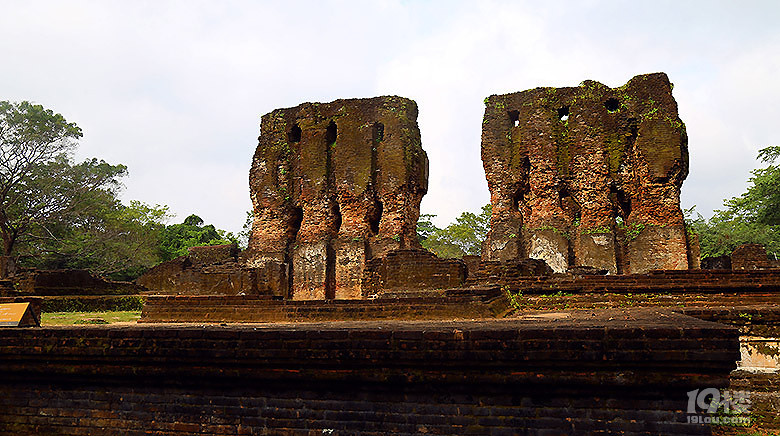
472 303
334 185
750 257
212 254
411 270
508 271
214 270
719 262
565 166
581 375
669 281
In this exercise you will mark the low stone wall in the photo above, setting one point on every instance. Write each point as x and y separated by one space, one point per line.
411 270
626 374
69 282
750 257
662 281
475 303
508 271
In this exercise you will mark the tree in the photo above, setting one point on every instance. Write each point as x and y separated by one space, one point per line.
463 237
40 187
761 203
246 230
55 213
109 239
177 238
753 217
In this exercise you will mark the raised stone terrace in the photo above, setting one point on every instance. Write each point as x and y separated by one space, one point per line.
578 373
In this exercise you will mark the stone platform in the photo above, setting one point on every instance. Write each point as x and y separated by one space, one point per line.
471 303
583 372
656 281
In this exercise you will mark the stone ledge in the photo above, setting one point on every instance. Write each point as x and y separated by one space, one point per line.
574 347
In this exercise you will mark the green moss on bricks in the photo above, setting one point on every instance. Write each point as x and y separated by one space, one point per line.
561 135
596 230
616 150
554 229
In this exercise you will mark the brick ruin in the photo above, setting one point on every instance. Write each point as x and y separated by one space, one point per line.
214 270
588 180
334 185
583 374
587 176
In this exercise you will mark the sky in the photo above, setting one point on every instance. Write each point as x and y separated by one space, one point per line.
175 89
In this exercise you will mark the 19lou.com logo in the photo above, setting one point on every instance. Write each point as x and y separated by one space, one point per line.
719 407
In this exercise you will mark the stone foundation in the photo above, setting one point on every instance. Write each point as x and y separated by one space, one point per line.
472 303
564 375
411 270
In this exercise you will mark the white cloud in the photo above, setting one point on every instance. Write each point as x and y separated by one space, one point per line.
175 89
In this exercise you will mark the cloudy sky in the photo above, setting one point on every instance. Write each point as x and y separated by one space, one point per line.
175 89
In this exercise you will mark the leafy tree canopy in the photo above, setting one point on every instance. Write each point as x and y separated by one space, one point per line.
40 187
463 237
55 213
753 217
177 238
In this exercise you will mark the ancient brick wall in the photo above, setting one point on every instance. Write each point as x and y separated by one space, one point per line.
719 262
472 303
750 257
334 185
214 270
587 175
411 270
508 272
577 375
662 282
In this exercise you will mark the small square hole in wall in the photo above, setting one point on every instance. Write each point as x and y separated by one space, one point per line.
331 134
612 105
514 117
563 113
295 134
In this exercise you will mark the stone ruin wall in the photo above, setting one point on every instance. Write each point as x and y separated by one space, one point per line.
587 175
334 185
579 176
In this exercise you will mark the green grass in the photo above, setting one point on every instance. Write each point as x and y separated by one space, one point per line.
75 318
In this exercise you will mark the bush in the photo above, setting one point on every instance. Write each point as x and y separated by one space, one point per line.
93 304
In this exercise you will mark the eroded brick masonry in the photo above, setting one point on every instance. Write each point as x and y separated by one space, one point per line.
334 185
587 175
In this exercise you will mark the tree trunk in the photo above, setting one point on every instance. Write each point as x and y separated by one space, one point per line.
8 243
7 267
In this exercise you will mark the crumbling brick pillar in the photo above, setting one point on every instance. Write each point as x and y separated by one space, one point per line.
334 185
587 176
